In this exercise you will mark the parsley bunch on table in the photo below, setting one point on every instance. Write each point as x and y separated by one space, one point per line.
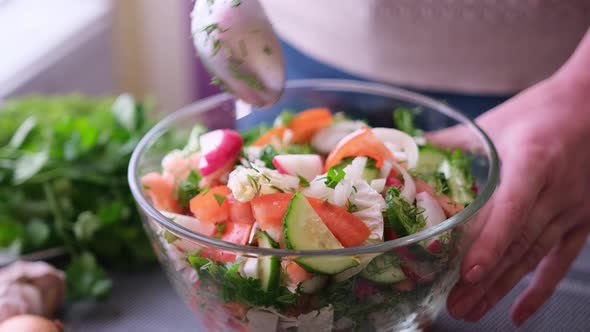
63 184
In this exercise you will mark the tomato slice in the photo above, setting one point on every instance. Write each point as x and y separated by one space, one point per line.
269 210
240 212
305 124
347 228
235 233
361 142
297 274
267 137
160 190
448 205
206 207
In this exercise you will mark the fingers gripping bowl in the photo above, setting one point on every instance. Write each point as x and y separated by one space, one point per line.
346 206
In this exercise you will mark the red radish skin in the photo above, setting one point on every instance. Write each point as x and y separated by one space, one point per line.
434 247
218 147
307 165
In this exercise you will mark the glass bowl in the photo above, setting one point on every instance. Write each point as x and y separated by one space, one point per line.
222 300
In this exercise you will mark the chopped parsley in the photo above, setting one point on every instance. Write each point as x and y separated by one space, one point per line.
303 181
277 188
403 118
188 189
232 287
334 176
438 181
212 27
216 47
403 217
267 153
251 135
351 207
219 198
170 237
220 228
236 3
298 149
250 79
284 119
267 50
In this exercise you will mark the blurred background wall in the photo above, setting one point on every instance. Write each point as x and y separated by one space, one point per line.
100 47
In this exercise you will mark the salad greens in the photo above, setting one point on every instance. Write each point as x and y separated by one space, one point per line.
63 183
403 217
235 288
403 118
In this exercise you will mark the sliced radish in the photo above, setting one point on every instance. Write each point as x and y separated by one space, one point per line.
218 148
402 143
434 215
327 138
307 165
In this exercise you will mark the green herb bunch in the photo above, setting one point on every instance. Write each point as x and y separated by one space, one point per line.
63 183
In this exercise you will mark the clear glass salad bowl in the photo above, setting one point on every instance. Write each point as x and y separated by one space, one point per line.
223 300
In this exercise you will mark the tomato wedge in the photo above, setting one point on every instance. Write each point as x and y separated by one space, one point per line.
269 210
240 212
361 142
234 233
448 205
267 137
160 190
207 208
297 274
305 124
347 228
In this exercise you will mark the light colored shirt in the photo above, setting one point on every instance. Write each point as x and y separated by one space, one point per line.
471 46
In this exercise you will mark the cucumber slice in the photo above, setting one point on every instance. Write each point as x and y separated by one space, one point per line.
460 186
430 159
304 230
269 267
384 269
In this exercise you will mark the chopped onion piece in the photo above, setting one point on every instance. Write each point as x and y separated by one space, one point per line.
327 138
433 213
406 143
378 185
409 189
385 169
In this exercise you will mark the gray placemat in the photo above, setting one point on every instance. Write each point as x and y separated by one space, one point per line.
146 302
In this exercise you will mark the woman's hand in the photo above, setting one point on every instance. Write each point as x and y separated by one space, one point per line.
539 217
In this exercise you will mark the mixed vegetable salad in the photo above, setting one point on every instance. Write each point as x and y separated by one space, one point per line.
313 180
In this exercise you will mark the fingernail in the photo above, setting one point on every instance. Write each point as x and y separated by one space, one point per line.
475 274
477 313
